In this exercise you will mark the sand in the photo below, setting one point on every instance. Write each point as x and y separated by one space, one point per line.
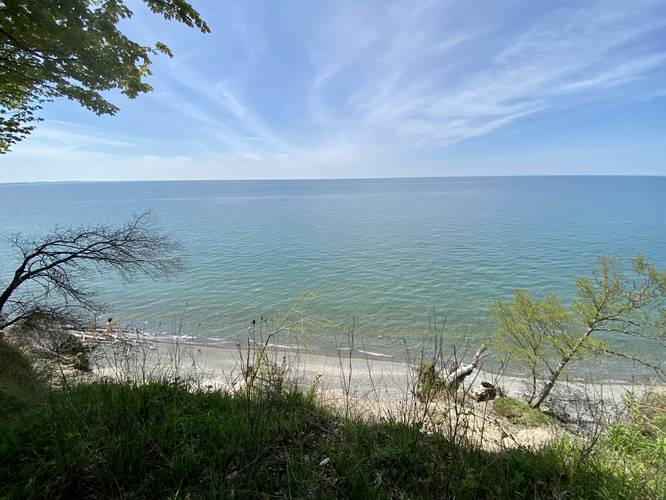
364 376
361 385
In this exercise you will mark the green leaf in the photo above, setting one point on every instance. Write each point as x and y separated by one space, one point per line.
72 49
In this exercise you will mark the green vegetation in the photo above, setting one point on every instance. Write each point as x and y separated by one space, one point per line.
19 381
430 383
544 336
520 413
170 439
640 445
114 440
72 49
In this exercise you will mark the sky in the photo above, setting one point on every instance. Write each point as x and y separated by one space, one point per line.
343 89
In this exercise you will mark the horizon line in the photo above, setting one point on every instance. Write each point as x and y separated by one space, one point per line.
314 179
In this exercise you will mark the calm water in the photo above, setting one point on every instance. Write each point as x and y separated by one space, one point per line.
385 252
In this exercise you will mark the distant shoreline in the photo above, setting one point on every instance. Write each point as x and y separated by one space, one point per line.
329 179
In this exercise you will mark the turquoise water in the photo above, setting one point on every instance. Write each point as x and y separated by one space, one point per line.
385 252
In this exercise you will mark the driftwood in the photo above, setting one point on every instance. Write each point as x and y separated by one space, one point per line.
487 392
457 376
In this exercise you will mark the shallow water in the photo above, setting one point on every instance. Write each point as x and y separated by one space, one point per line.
384 252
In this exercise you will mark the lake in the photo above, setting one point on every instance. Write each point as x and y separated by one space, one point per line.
383 253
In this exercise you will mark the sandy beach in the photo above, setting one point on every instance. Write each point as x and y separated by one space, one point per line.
372 384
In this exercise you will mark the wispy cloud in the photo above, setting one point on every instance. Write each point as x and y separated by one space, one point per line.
68 135
279 88
419 97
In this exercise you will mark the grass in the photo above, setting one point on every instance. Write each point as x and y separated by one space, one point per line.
520 413
640 444
169 439
163 439
19 381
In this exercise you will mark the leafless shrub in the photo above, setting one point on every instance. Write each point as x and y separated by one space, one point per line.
260 368
49 278
347 372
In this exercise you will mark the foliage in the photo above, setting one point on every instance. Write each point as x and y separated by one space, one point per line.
19 381
544 336
51 345
429 384
531 331
520 413
72 49
155 440
648 412
639 445
166 438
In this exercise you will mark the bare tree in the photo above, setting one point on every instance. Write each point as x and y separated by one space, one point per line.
50 278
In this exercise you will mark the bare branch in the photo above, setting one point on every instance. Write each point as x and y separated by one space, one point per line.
52 269
659 371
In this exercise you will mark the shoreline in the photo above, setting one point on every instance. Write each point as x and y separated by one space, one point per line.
600 371
370 381
408 356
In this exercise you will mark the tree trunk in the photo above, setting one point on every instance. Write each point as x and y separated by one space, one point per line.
7 292
555 374
4 297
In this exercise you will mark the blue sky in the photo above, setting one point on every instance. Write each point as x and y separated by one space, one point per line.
303 89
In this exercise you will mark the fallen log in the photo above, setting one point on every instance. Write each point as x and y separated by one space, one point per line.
458 375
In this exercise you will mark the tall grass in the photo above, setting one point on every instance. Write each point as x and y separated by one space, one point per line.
169 435
164 439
